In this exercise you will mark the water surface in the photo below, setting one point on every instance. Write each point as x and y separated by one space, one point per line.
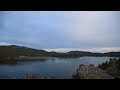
59 68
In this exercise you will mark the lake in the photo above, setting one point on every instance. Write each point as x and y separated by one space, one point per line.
60 68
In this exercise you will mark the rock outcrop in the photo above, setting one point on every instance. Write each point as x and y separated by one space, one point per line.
91 72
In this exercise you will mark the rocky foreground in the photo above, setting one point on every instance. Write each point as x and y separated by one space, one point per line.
91 72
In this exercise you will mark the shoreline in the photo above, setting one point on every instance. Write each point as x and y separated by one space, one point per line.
101 66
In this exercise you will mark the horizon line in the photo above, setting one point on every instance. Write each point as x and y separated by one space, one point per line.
65 50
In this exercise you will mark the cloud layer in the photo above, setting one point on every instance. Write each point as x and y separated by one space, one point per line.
61 29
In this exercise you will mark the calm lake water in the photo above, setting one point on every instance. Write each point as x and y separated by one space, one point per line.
59 68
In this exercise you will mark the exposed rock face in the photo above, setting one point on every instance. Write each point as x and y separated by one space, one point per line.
91 72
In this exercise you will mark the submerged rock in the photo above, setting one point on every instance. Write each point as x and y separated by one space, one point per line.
36 76
91 72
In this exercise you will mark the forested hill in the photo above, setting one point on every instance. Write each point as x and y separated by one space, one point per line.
16 51
84 53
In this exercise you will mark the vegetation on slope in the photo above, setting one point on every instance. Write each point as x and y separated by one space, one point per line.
15 52
112 67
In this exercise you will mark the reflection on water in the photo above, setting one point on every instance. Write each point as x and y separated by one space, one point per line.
56 67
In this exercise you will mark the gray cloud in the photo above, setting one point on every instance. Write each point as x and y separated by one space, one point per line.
92 29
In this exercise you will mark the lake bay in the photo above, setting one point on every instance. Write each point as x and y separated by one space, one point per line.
60 68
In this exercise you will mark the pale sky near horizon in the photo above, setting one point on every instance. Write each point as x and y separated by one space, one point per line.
61 30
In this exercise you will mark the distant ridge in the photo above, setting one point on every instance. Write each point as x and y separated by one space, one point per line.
16 51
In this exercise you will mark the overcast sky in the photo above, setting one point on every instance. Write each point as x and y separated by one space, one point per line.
97 31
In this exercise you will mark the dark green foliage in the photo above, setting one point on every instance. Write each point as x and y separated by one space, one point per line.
119 60
108 64
119 63
112 67
103 65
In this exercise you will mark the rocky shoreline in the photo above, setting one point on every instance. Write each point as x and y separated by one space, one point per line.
83 72
91 72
